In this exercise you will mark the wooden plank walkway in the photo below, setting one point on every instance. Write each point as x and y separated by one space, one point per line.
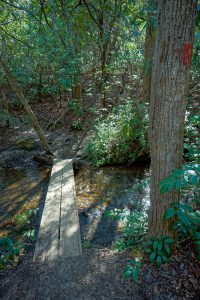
59 233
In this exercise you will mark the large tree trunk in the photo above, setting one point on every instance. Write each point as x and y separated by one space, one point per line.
149 48
28 109
171 65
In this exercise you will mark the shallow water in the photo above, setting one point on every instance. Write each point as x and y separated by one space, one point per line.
20 191
98 190
104 189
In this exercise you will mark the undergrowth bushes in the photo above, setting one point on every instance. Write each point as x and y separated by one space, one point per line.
120 137
24 233
184 217
134 230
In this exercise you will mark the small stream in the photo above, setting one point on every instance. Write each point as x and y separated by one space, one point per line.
19 192
104 189
98 190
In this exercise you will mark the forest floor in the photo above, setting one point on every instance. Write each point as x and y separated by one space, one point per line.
98 273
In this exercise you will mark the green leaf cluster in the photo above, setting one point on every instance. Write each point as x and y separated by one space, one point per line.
133 269
181 178
8 251
120 137
159 249
134 229
186 222
22 220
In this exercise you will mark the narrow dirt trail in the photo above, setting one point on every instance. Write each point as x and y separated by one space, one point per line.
97 274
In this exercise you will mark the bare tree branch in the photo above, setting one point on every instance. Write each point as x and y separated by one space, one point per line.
91 15
44 13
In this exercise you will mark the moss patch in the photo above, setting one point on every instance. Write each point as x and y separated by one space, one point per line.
26 144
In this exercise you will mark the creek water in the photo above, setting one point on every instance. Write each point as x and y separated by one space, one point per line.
104 189
20 191
98 190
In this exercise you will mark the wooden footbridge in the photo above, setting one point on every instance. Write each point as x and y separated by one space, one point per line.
59 233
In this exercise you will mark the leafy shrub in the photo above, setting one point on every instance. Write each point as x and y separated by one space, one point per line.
185 180
135 227
22 220
86 244
76 107
76 125
196 241
8 251
29 235
182 178
134 230
191 142
158 249
120 137
185 217
133 269
5 116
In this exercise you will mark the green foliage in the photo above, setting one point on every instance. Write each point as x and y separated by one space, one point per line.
22 220
53 43
77 125
159 252
133 269
26 119
181 178
185 180
134 229
86 244
185 217
120 137
186 222
159 249
191 142
6 116
9 251
196 241
75 106
93 110
29 235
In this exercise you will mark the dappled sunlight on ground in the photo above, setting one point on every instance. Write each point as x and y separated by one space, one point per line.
19 191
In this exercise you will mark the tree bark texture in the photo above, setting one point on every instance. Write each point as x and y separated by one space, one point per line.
76 93
27 107
148 53
5 107
170 74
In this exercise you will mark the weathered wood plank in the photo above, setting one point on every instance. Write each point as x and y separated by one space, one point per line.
47 243
59 232
70 240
